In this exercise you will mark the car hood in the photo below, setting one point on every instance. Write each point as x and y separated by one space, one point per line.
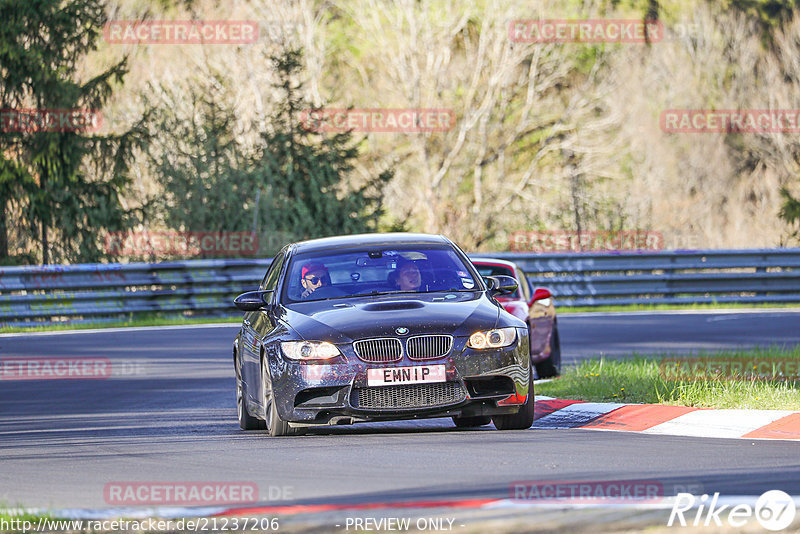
345 320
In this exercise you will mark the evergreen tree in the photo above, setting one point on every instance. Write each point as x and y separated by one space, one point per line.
295 186
308 171
790 212
771 14
66 181
209 180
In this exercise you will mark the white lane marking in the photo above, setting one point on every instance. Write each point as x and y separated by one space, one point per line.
122 329
718 423
734 317
575 415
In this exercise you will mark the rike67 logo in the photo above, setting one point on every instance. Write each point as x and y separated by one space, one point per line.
774 510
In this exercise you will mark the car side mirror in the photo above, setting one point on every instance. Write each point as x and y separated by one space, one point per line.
501 284
539 294
253 300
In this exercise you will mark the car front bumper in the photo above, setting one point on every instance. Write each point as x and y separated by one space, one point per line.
478 382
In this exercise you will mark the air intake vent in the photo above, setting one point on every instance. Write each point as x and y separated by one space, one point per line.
408 396
429 347
380 350
394 305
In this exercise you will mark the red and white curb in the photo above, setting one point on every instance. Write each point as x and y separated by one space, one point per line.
329 512
667 420
550 414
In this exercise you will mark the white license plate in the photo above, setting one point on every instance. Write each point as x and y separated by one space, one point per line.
417 374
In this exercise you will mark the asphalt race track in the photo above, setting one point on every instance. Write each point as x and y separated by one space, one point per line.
167 413
620 334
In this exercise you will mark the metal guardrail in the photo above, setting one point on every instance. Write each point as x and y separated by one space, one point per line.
55 292
668 277
31 294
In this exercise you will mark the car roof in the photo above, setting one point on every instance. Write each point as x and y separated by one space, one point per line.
368 240
495 261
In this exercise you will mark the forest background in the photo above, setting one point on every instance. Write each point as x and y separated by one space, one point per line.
546 137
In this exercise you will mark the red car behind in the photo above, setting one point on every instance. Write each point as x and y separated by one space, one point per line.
535 308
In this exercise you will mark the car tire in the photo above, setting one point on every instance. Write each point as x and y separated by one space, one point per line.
273 423
246 421
523 419
471 422
551 367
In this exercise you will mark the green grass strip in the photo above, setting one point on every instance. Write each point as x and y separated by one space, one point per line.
13 518
136 320
160 319
657 380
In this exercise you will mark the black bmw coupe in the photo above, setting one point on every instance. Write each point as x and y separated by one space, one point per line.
379 327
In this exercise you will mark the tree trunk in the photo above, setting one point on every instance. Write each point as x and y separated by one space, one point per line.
45 251
3 231
575 192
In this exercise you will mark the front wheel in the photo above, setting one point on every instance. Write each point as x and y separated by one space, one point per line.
246 421
524 417
274 424
551 367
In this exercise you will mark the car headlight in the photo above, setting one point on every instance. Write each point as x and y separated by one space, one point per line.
493 339
309 350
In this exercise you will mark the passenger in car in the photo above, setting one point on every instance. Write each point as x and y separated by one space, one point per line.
312 277
408 276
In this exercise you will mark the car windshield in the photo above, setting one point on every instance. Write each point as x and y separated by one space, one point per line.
338 274
494 270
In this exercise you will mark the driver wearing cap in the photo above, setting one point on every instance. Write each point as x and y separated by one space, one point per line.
312 277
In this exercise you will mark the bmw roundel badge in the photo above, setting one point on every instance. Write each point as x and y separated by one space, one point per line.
401 330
